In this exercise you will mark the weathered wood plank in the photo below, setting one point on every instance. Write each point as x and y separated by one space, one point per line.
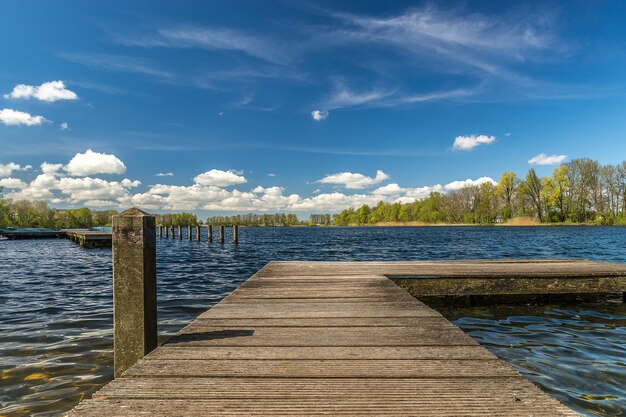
386 389
435 406
320 352
198 335
327 322
327 368
319 310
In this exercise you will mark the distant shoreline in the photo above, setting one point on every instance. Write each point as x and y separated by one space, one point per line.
418 224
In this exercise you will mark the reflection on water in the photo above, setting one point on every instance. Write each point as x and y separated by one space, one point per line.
56 305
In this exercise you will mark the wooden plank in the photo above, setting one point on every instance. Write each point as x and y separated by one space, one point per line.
320 352
489 404
319 310
326 322
327 368
386 389
198 335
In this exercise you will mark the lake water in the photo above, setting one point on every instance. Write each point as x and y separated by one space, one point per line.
56 305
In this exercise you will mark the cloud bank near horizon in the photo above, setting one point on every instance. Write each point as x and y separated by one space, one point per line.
76 183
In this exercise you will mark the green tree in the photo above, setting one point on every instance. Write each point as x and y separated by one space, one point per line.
534 188
506 190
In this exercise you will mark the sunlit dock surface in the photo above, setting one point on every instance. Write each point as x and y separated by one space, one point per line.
340 338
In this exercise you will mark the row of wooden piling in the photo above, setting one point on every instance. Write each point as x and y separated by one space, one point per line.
190 236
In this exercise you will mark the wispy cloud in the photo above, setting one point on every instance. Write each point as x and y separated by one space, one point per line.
164 174
469 39
343 97
116 63
213 38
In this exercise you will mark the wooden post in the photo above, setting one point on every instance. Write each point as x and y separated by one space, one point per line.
221 234
235 234
189 235
160 232
210 233
167 232
180 232
198 232
134 288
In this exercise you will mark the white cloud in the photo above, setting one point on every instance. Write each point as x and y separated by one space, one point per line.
52 169
220 178
457 185
64 126
543 159
7 169
271 174
87 188
41 188
208 192
412 194
389 189
90 162
12 183
84 190
12 117
164 174
465 143
354 181
319 115
51 91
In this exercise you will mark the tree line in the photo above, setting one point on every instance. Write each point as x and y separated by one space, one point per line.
252 219
579 191
37 214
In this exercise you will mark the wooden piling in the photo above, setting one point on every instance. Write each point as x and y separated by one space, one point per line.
235 234
180 232
189 235
173 233
167 232
160 232
198 232
210 233
134 288
221 234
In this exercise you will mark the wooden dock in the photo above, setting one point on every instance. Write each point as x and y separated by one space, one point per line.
89 238
325 338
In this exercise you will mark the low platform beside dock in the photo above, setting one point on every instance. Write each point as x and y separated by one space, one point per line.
90 238
341 338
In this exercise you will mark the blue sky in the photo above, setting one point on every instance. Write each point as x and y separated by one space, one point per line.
300 106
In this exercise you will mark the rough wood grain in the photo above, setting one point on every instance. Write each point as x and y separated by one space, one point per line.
341 339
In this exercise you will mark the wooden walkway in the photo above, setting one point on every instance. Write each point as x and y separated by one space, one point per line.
303 338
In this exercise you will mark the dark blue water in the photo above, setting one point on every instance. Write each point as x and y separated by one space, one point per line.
56 319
